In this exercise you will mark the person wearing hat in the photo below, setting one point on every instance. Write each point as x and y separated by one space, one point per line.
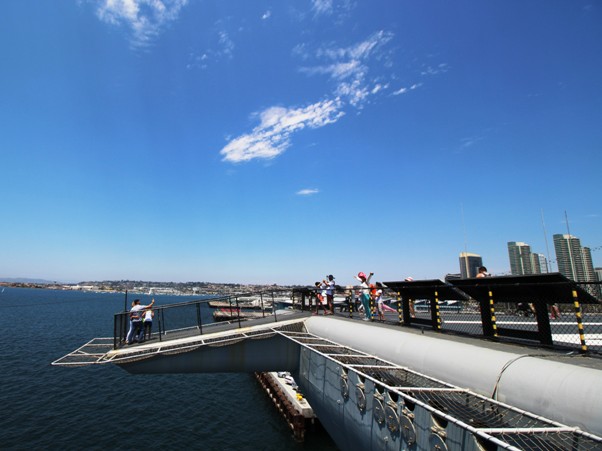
330 288
365 296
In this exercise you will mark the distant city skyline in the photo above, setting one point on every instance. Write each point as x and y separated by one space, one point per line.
252 142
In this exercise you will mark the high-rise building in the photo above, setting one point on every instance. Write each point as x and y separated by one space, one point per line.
521 261
569 256
469 264
540 263
588 264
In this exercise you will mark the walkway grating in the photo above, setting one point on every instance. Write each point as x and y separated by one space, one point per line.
493 424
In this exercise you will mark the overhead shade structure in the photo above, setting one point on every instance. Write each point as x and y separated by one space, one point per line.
535 288
434 290
540 290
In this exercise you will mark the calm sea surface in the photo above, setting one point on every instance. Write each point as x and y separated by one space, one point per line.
104 407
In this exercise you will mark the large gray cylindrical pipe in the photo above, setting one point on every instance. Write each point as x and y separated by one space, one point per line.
563 392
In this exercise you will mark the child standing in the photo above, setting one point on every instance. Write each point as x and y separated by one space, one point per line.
147 321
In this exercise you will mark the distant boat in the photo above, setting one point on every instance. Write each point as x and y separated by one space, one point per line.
253 305
226 314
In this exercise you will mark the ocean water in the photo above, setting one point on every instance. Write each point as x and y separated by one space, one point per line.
103 407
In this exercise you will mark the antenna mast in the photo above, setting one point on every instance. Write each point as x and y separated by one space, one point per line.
568 241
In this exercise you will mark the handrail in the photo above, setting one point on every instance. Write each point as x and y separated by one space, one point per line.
492 310
184 325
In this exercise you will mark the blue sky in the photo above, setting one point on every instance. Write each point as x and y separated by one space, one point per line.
280 141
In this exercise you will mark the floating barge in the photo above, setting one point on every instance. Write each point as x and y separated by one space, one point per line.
293 407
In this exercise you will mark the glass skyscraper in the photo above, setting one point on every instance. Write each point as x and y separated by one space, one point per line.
575 262
569 256
521 261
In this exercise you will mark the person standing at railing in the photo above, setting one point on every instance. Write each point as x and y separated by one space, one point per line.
378 300
365 296
136 332
320 301
330 288
147 321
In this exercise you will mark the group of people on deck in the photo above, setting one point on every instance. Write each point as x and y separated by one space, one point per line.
370 294
141 322
325 295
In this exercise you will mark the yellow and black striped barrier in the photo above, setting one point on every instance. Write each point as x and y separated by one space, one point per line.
579 322
437 313
492 310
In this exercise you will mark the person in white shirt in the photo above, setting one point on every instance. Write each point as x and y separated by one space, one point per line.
147 321
378 300
365 296
330 289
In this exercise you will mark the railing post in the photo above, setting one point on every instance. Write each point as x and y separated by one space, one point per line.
436 314
198 318
115 331
262 309
237 311
543 324
579 322
162 323
123 321
274 308
351 301
399 308
405 306
488 316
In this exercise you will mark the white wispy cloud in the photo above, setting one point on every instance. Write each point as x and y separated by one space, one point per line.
378 87
322 6
307 191
339 8
145 18
226 44
276 125
266 15
222 48
470 141
439 69
403 89
348 67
